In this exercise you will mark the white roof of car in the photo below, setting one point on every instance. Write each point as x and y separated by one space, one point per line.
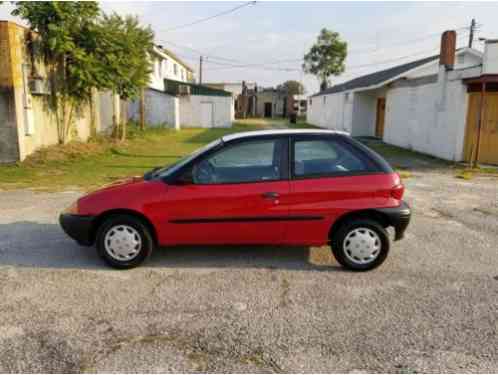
258 133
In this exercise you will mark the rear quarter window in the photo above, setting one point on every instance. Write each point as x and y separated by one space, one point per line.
329 157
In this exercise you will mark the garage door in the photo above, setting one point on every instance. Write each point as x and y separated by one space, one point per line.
207 115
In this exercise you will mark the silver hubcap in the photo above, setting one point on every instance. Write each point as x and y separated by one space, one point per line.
362 246
122 242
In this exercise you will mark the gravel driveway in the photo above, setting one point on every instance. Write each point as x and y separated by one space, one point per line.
432 306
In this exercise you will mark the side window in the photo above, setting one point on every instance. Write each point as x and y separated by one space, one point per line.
251 161
316 157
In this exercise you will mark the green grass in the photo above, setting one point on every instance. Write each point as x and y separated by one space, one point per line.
101 161
87 166
90 165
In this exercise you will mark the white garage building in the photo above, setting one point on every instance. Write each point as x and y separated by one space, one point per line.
421 105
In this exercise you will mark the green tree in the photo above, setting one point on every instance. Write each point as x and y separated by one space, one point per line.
85 50
326 57
292 87
124 50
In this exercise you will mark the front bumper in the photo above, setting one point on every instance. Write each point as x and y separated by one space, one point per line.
78 227
399 218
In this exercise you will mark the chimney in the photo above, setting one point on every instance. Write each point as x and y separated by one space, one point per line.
490 59
448 49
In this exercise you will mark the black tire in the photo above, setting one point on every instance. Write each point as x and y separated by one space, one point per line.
338 238
147 242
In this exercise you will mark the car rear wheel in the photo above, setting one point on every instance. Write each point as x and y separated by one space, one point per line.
360 244
124 242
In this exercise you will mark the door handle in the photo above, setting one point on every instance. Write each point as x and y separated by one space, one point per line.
271 195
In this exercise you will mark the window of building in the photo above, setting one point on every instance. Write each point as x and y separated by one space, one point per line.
460 59
324 99
183 74
175 69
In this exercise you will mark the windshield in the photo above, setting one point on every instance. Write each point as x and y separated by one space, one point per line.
172 168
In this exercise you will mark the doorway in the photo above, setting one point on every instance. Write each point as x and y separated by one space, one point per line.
207 115
381 114
268 109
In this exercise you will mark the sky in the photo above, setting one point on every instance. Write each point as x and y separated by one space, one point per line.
272 37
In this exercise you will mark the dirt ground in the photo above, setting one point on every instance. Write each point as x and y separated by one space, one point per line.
431 307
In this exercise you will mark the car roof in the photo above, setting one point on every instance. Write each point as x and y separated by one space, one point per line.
262 133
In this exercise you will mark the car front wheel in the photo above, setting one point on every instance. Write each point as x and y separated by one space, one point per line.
124 242
360 244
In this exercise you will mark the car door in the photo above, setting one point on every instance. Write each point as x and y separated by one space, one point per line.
328 178
234 196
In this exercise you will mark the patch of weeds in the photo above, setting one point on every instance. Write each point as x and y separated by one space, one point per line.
404 174
485 211
259 359
443 213
477 170
465 175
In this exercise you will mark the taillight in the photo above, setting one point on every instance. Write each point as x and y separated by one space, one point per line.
397 191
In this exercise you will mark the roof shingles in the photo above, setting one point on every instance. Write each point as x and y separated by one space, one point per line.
376 78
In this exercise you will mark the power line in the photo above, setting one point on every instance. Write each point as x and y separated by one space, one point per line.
198 52
211 17
242 64
349 69
405 42
229 63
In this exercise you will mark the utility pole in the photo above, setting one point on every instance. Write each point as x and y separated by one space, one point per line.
200 70
472 29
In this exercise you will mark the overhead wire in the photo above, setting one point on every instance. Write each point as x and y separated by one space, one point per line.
212 58
231 10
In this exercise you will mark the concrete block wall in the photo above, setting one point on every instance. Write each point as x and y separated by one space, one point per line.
420 118
161 109
190 111
333 111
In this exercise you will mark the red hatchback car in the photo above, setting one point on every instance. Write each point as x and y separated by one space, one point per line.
279 187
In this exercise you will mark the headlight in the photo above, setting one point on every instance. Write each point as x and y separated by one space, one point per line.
72 209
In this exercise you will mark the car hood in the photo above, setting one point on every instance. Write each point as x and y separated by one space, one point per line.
130 193
118 184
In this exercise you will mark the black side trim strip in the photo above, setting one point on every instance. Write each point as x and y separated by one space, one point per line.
245 219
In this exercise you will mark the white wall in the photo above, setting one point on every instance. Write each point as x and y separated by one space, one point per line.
364 115
190 110
160 109
425 120
490 61
333 112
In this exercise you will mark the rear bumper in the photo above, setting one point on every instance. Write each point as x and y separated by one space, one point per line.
399 218
78 227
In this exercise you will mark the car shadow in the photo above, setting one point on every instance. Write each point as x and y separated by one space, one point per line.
41 245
